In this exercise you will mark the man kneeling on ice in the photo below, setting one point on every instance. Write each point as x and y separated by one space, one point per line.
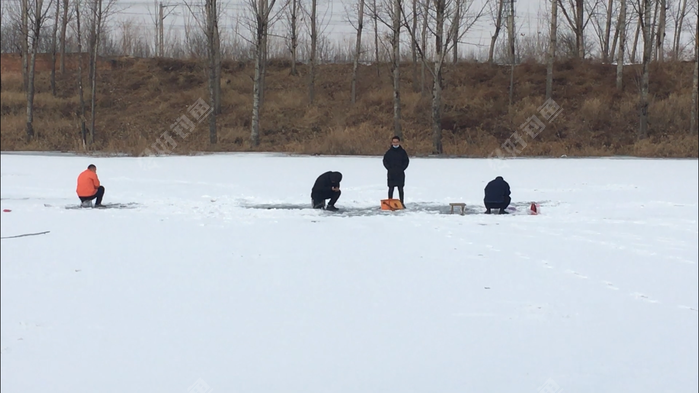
327 186
497 195
89 187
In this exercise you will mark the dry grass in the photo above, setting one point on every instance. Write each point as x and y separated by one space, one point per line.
138 100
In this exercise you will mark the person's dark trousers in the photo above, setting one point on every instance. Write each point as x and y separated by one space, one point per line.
396 179
401 194
319 199
502 205
98 195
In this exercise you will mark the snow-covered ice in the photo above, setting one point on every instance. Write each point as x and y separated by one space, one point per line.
202 288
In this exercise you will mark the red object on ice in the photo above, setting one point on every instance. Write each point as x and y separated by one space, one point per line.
6 210
534 209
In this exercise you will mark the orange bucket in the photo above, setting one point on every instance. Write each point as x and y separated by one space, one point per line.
391 204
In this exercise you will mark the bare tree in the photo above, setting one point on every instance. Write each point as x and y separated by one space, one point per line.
660 33
25 42
577 22
622 46
261 11
423 42
606 33
294 33
53 48
208 23
498 26
511 43
552 48
390 16
64 25
83 131
695 80
217 59
358 48
636 35
444 31
455 47
679 21
395 43
314 47
101 10
38 17
95 41
644 8
413 49
375 19
213 49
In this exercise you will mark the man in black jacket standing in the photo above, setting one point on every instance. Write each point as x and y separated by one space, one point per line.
396 162
327 186
497 195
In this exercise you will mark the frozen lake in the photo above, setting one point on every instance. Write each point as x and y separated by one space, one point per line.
220 278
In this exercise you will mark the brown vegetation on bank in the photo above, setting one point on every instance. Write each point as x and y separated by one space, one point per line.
138 100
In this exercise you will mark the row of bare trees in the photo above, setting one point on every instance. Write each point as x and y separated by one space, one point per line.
434 29
30 19
589 29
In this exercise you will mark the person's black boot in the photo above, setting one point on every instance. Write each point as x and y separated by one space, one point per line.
331 208
487 211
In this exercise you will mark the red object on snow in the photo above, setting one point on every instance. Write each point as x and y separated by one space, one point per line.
6 210
534 209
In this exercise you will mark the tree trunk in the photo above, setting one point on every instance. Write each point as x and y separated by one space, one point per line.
257 83
263 66
695 83
83 131
511 29
622 47
635 38
552 49
314 44
455 27
653 38
579 28
64 25
678 29
30 77
376 40
396 69
211 38
660 47
440 9
357 49
498 25
97 26
217 59
647 53
612 55
437 110
423 38
25 43
413 49
607 33
294 36
53 48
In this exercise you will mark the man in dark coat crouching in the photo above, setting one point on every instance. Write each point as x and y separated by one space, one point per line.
327 186
497 196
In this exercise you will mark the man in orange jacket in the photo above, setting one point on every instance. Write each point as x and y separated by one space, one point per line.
89 187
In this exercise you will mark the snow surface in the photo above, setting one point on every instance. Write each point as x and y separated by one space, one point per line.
201 288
